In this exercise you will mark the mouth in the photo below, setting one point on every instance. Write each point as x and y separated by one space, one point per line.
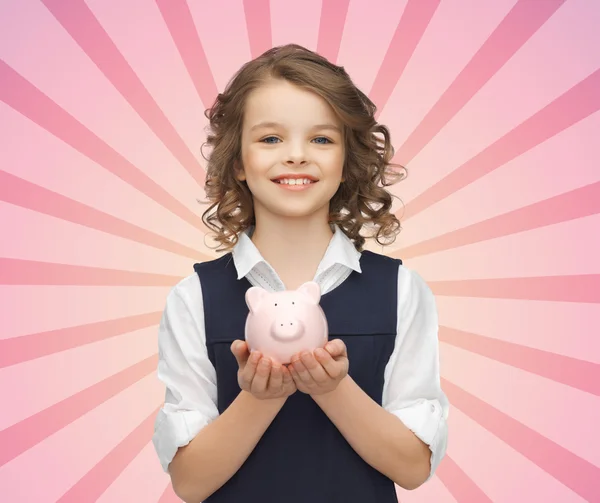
296 180
295 185
293 182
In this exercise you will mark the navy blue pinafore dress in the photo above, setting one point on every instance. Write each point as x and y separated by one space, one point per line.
302 457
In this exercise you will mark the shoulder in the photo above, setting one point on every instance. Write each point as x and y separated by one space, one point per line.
413 291
185 292
190 286
378 265
189 289
408 279
371 256
216 264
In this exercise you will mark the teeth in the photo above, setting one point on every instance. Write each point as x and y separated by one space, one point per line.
289 181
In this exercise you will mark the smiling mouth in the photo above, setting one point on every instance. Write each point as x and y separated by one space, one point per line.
294 182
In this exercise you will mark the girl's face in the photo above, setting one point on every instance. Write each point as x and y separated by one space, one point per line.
288 131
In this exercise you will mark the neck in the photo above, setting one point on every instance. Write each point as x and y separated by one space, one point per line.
293 247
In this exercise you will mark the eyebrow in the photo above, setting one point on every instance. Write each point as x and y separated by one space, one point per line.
262 125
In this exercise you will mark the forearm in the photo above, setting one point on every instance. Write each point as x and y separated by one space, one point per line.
378 437
221 447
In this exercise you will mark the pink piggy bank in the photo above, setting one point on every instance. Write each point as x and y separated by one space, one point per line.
281 324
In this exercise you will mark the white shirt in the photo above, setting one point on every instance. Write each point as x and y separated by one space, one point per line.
411 389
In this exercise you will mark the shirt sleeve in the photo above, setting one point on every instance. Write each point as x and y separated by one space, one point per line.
185 370
412 389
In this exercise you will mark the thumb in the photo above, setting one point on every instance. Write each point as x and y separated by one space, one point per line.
240 351
336 348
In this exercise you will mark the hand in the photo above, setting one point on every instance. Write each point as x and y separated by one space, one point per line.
321 371
260 375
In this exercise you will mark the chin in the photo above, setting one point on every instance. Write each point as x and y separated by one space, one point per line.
298 210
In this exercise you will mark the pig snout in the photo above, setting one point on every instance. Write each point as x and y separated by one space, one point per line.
287 328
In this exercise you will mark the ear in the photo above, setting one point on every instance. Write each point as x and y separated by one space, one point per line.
254 296
239 171
312 290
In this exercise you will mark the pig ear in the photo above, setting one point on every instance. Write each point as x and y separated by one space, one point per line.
254 296
312 290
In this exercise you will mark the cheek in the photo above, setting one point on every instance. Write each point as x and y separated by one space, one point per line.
334 166
258 160
334 162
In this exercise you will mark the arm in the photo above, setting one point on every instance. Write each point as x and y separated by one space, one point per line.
376 435
198 448
222 447
412 390
406 438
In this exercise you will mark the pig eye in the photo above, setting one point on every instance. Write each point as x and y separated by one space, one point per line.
275 303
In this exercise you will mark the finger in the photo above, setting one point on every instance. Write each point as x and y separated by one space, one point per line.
240 351
287 376
336 348
250 368
294 375
302 372
276 378
261 378
331 367
314 368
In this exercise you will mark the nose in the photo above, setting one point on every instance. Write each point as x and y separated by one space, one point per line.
287 329
296 154
292 162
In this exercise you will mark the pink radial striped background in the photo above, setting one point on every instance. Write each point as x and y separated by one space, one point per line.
493 107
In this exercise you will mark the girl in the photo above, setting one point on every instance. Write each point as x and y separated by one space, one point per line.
295 174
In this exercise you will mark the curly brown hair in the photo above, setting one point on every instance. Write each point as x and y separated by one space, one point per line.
360 202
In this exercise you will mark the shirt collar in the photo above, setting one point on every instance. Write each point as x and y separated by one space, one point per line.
340 250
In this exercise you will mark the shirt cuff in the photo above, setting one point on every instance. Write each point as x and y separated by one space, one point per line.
174 429
426 419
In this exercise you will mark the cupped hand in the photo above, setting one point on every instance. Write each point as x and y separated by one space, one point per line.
259 375
320 371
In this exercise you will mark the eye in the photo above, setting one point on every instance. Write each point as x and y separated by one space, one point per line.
275 303
327 140
264 140
292 303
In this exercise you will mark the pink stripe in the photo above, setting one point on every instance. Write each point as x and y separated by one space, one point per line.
79 21
30 272
570 371
460 485
413 23
579 102
578 203
28 347
524 19
573 471
169 496
582 288
15 190
24 435
258 23
331 28
93 484
28 100
178 19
